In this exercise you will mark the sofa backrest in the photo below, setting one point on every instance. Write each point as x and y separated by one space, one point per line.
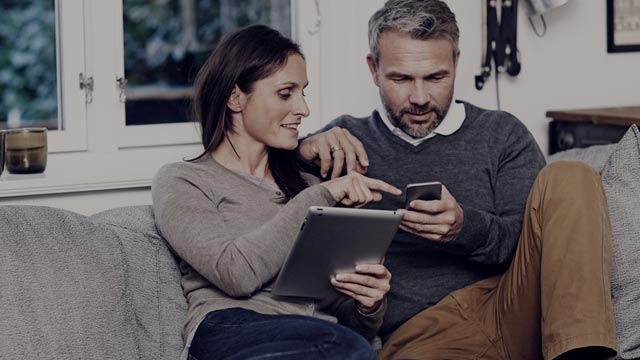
63 291
153 274
73 286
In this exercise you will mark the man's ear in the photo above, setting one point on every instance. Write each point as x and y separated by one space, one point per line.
456 58
373 69
236 100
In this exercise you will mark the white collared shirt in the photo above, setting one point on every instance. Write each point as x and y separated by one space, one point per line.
449 125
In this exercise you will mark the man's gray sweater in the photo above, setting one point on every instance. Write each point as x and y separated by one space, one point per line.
488 165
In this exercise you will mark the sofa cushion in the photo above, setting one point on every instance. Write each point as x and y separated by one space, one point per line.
159 305
621 179
596 156
63 289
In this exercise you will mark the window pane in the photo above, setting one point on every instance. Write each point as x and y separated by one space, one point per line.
167 41
28 71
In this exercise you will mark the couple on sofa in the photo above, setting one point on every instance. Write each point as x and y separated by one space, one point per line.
512 262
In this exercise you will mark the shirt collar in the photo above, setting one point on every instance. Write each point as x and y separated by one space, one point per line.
451 123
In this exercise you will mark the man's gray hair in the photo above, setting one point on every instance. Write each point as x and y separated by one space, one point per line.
421 19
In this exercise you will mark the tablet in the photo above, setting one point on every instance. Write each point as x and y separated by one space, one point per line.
333 240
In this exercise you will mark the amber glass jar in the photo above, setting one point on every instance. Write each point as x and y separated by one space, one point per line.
26 150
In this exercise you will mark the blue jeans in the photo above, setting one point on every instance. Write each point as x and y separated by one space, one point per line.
244 334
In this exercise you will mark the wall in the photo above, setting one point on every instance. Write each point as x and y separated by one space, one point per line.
567 68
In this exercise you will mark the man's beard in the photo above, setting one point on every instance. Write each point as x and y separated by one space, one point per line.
414 131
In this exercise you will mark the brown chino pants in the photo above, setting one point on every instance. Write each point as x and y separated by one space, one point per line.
554 297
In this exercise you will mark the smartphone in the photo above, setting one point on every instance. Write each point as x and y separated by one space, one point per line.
422 191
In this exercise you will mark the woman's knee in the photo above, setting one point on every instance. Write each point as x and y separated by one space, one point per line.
244 333
354 346
341 340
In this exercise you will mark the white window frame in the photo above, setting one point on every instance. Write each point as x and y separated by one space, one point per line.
307 23
94 150
138 136
72 112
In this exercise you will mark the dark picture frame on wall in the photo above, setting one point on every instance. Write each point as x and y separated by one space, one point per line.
623 25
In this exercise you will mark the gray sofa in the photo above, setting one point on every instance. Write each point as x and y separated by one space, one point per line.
107 286
78 287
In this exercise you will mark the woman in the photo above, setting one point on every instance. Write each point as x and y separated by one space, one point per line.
232 214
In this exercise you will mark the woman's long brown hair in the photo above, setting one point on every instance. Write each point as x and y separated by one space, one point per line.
242 58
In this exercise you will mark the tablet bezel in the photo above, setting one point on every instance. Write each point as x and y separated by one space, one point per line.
333 240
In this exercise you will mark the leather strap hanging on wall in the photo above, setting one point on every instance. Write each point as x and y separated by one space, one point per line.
500 20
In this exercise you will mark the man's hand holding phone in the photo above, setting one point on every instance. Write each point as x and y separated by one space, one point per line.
426 191
436 218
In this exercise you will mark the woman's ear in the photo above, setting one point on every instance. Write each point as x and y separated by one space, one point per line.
236 100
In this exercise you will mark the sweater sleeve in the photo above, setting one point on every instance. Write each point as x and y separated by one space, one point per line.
491 237
189 218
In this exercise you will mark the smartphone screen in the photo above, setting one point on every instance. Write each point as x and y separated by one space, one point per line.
423 191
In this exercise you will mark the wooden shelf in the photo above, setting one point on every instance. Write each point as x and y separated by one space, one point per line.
623 116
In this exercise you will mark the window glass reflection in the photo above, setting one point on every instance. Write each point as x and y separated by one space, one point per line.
167 41
28 68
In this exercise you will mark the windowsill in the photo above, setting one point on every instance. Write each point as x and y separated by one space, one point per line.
39 184
81 172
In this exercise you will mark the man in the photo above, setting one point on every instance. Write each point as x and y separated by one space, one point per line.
483 272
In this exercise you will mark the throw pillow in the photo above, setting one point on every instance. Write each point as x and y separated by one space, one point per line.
621 179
